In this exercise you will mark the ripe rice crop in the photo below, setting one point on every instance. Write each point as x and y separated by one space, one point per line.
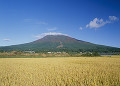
69 71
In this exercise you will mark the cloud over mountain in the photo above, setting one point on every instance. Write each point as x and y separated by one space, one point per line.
50 33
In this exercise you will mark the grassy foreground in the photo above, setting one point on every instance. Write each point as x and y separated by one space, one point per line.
70 71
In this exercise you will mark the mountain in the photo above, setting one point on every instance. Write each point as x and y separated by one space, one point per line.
60 43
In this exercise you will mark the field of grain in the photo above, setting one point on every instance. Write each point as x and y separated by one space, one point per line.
69 71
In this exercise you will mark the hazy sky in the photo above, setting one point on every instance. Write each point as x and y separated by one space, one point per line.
96 21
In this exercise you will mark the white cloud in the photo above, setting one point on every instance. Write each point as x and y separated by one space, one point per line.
52 29
113 18
53 33
81 28
96 23
50 33
42 23
6 39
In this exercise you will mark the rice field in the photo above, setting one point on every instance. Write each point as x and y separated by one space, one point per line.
68 71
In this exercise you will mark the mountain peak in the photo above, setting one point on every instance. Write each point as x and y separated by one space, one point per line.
56 38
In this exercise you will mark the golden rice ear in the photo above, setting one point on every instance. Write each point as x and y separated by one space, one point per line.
60 71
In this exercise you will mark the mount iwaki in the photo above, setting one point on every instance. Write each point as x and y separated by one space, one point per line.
60 43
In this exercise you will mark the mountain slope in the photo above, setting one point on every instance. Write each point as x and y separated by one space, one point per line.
60 43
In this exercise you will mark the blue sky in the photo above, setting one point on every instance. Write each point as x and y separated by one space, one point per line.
95 21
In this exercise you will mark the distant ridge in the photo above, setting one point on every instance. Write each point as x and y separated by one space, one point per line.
60 43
